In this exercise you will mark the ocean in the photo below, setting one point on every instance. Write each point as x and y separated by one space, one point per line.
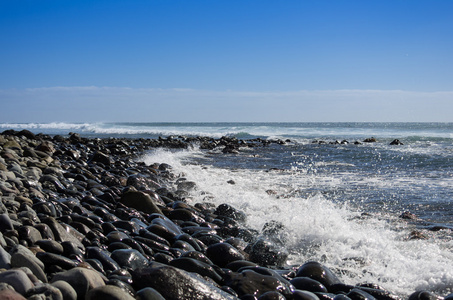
340 199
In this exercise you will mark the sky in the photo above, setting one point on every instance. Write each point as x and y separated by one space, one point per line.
208 61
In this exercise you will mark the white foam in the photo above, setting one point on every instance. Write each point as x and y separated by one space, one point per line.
373 249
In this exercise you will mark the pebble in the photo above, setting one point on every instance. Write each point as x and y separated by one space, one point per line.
176 284
67 291
5 259
18 279
81 279
129 258
110 292
24 257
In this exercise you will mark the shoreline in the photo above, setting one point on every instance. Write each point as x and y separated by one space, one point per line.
84 210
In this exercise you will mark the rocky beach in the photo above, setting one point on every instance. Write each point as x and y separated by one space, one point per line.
85 218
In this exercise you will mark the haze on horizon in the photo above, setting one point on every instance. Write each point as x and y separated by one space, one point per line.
207 61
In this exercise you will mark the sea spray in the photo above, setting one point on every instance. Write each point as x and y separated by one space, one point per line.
360 247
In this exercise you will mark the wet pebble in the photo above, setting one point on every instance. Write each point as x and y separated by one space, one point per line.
222 254
129 258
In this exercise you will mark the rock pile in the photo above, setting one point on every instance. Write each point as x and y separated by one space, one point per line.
82 219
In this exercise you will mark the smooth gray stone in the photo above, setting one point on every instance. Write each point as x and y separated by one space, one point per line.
23 257
66 290
18 279
81 279
5 259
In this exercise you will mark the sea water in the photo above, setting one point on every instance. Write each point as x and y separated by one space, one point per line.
340 203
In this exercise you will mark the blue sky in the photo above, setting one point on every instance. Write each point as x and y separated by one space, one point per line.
156 60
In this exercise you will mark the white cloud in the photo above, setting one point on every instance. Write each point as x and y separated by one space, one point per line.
91 103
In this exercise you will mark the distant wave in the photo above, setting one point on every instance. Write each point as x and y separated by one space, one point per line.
53 125
294 131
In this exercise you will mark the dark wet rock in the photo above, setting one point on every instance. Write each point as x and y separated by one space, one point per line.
222 254
423 295
116 236
153 244
238 264
95 264
318 272
196 266
183 246
163 258
102 158
173 283
306 295
273 295
208 238
396 142
72 249
250 282
46 208
181 214
186 185
358 294
378 292
340 288
408 216
140 201
129 258
227 210
308 284
267 254
370 140
52 259
142 182
117 245
170 227
29 234
190 240
198 256
63 232
129 226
